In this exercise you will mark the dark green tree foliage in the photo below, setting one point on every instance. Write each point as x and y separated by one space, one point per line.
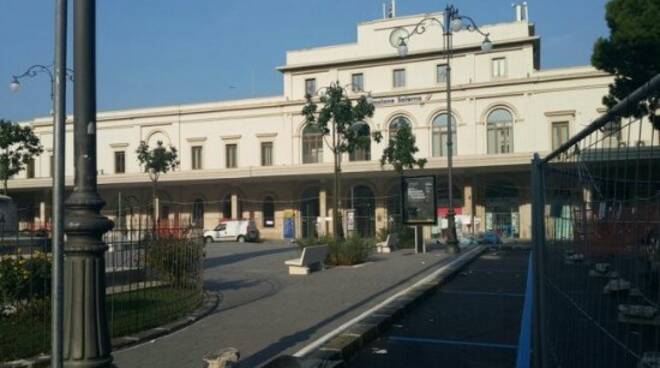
156 161
18 145
400 151
632 51
339 109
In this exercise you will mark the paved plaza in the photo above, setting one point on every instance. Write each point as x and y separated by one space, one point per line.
265 312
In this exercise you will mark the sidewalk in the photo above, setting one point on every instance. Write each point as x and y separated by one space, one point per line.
264 312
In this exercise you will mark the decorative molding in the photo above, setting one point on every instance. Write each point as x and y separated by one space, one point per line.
196 139
266 135
234 137
560 113
118 145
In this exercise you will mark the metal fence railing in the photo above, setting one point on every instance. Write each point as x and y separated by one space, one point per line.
596 232
152 278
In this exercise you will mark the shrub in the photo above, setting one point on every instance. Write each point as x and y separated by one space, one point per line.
406 235
177 261
350 251
24 278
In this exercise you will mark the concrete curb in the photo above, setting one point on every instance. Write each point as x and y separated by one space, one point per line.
211 300
349 339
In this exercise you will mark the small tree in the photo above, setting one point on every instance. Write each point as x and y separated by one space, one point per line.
631 53
340 119
156 161
18 145
400 151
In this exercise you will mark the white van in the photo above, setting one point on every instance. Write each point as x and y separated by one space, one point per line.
233 230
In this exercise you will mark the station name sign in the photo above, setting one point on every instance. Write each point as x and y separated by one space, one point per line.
398 100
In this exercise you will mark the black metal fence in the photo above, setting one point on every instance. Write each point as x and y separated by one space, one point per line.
152 278
596 229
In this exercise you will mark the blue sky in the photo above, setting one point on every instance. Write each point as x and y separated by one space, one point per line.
162 52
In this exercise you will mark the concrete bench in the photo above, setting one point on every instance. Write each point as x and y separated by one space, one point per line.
311 259
389 244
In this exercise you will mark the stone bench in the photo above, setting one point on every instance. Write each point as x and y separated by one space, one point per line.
389 244
311 259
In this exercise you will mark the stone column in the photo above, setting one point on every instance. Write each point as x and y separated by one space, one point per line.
323 212
42 214
234 206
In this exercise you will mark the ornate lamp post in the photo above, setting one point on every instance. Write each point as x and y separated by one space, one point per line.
86 335
15 84
452 22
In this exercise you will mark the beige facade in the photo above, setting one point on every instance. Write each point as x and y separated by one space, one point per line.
504 105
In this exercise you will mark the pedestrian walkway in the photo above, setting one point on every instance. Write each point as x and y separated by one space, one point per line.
265 312
473 321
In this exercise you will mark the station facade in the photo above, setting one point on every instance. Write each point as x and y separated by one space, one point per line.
255 158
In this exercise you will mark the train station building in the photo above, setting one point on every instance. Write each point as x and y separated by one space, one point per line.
256 159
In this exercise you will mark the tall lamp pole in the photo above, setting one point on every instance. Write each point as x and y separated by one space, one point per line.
451 22
58 74
86 334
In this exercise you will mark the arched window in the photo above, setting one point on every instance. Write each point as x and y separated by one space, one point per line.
198 213
312 142
362 153
396 124
268 209
440 136
500 131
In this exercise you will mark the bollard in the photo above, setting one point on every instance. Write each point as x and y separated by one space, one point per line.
225 358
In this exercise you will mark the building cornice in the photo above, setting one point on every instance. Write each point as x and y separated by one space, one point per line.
266 172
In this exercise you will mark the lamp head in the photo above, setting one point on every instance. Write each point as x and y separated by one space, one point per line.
15 85
457 24
487 45
402 48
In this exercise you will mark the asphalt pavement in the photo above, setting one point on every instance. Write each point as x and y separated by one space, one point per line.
473 321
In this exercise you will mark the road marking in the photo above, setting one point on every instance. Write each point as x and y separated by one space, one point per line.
453 342
486 293
525 337
323 339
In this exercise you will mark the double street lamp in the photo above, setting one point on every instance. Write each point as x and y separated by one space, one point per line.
450 23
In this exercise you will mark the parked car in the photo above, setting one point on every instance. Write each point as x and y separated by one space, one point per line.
233 230
490 238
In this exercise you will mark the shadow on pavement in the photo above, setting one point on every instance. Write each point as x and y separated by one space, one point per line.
291 340
233 258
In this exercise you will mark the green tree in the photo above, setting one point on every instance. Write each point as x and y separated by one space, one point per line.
156 161
341 120
18 145
400 151
632 51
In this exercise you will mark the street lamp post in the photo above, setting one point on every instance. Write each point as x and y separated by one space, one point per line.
86 334
58 74
452 22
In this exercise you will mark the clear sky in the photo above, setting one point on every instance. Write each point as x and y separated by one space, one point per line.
163 52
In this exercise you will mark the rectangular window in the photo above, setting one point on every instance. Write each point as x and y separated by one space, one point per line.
231 152
310 86
441 73
357 82
29 171
559 134
399 78
499 68
52 166
120 162
266 153
196 154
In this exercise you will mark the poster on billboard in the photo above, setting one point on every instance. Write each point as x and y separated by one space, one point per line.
419 200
